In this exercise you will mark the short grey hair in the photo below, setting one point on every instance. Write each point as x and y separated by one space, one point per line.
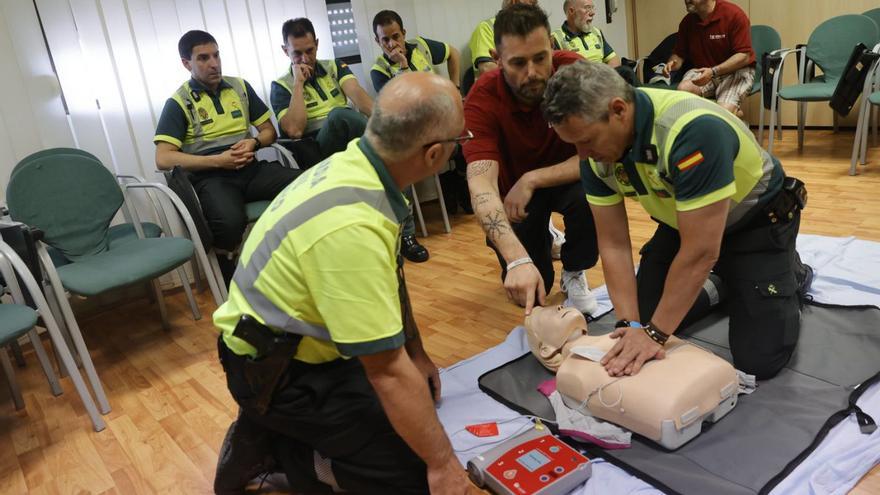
584 89
399 133
565 5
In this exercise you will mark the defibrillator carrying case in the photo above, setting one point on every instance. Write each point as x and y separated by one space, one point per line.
850 85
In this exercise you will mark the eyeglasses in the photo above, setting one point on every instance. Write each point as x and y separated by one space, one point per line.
467 136
590 9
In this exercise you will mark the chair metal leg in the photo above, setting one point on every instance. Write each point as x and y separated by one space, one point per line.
864 137
40 351
761 122
857 141
79 344
160 301
418 209
197 274
774 114
17 354
876 113
184 280
802 111
442 204
10 378
779 119
55 308
215 279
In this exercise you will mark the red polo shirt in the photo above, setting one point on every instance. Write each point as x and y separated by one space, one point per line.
505 131
708 43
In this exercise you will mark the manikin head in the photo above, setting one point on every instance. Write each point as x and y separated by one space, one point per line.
548 329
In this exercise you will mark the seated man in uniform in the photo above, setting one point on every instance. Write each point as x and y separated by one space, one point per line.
311 99
320 279
519 171
578 34
399 57
204 128
722 203
715 36
482 42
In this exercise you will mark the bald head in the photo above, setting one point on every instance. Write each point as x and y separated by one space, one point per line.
415 109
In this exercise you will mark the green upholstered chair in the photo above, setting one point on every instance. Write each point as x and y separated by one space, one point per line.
73 198
828 48
765 39
118 233
17 320
870 100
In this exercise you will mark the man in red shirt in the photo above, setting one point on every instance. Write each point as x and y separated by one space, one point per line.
716 37
519 171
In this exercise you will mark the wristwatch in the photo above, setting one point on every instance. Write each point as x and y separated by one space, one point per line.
259 144
626 323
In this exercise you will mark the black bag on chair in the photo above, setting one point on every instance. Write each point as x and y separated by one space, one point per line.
179 181
769 65
853 81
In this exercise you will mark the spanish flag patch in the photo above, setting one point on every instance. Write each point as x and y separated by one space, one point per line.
690 161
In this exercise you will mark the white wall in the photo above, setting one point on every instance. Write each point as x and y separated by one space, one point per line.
453 21
117 63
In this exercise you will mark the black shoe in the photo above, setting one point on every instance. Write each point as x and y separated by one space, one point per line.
804 275
244 455
412 250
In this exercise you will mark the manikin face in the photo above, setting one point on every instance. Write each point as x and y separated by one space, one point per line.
548 329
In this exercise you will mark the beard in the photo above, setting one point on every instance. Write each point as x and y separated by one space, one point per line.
532 92
584 26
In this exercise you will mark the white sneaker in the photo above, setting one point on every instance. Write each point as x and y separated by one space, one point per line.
574 284
558 241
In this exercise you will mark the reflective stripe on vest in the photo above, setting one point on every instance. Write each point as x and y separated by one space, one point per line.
683 108
184 96
576 43
318 103
420 60
246 275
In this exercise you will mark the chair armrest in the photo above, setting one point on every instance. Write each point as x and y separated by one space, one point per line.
182 212
785 52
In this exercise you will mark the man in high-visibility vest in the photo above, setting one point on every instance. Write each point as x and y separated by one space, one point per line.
400 56
204 128
723 205
311 99
482 42
318 341
578 34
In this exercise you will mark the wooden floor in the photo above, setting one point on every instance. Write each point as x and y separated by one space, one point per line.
169 398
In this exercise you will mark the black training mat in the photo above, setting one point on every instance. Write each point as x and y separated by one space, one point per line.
767 434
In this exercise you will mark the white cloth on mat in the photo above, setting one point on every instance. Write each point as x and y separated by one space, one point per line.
586 427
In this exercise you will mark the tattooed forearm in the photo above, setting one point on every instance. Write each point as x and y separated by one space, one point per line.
478 168
495 225
481 199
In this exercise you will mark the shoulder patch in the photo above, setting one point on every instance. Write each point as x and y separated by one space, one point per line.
690 161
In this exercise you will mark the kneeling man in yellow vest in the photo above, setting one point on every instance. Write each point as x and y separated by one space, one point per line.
321 281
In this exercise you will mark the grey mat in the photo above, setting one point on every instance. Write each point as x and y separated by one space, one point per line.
768 433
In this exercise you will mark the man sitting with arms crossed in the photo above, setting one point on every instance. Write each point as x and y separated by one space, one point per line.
310 100
519 171
205 128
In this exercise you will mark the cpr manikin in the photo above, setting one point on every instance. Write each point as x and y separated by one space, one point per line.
667 401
